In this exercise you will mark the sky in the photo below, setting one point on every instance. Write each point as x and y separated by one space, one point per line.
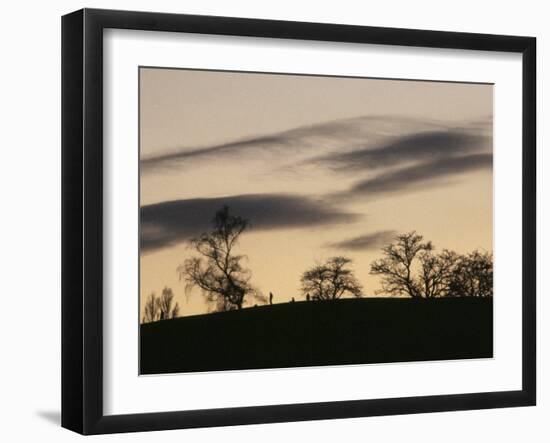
320 166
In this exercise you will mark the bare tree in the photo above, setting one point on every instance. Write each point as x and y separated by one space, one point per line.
218 272
175 311
411 267
165 303
331 280
435 273
472 276
160 308
396 268
151 309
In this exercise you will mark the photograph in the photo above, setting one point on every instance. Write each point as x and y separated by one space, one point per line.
297 220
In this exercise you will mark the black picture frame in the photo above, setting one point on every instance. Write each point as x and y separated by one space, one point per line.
82 220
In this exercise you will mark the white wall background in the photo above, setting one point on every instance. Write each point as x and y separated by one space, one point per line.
30 219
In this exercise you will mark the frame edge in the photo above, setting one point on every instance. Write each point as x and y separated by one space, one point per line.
529 221
72 221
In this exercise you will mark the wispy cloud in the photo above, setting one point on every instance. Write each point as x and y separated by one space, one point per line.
418 176
365 242
327 137
172 222
409 148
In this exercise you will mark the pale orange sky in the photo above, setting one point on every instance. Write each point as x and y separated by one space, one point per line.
346 158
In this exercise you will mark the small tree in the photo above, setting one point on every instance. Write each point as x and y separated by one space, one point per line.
472 276
331 280
218 272
151 309
165 303
175 311
160 308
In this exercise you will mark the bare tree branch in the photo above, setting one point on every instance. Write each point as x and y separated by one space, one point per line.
331 280
437 275
218 273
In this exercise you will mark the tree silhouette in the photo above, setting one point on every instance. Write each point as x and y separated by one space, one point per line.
472 276
165 304
331 280
160 308
175 311
218 273
411 267
396 268
435 273
150 309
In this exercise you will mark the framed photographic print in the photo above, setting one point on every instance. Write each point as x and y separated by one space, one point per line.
269 221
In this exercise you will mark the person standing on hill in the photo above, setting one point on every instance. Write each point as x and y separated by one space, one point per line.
270 298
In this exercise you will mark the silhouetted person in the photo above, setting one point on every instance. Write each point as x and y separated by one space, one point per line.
292 301
307 297
271 298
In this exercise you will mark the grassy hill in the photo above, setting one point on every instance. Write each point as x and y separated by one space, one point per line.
349 331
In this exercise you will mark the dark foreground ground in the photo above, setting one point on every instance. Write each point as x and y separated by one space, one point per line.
350 331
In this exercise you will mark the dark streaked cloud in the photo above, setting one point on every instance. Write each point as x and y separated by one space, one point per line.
177 157
332 136
168 223
419 176
409 148
365 242
300 137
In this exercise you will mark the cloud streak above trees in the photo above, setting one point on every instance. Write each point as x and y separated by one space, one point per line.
311 136
380 140
409 148
418 176
406 153
365 242
172 222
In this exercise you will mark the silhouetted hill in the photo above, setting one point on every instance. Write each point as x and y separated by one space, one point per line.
349 331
